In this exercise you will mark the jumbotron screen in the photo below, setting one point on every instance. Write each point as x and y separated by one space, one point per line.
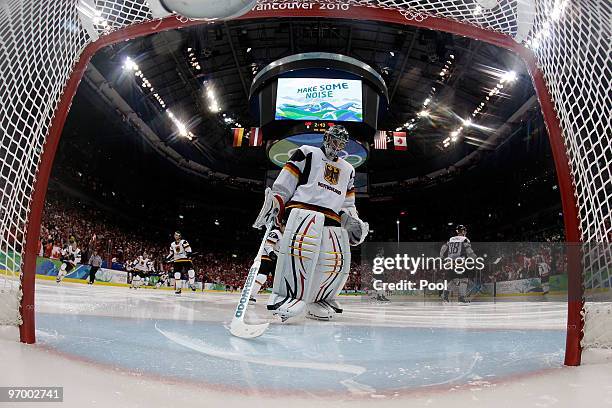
319 99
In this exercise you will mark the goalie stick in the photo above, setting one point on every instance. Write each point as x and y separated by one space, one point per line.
238 327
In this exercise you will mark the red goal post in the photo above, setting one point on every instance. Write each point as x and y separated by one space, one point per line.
46 47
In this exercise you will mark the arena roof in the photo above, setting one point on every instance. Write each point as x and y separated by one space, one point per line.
436 81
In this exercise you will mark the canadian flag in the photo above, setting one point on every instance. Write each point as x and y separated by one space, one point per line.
256 137
399 141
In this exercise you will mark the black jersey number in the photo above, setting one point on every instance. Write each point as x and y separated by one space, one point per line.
454 248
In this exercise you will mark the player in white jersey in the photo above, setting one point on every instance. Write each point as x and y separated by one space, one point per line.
268 260
180 256
70 257
458 246
314 197
163 278
141 268
544 272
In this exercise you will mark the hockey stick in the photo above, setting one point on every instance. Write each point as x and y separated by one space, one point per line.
238 327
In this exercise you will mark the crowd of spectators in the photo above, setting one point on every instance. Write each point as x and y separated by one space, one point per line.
120 241
94 229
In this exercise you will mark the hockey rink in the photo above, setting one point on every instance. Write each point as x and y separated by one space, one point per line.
150 345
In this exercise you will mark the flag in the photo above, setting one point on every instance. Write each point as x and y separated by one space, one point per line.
238 133
399 141
380 139
255 138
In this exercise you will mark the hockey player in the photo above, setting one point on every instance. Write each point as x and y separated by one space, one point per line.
141 268
458 246
163 278
314 198
70 257
180 256
544 272
268 260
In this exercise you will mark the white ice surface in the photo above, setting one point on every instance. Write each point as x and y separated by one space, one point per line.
90 384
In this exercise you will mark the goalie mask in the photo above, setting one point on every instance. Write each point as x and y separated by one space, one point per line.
334 141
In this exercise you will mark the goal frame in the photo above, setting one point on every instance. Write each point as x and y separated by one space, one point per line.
560 156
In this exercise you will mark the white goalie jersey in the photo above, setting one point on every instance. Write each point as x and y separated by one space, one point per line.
310 180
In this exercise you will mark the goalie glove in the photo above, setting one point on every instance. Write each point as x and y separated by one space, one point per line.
271 212
357 230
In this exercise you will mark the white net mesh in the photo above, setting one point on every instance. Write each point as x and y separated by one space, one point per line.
41 41
597 325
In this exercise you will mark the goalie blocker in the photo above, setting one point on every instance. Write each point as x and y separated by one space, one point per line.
312 268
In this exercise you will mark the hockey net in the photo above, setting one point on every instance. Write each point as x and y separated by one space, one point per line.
43 41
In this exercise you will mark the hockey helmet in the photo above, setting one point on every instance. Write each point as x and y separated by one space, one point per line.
335 140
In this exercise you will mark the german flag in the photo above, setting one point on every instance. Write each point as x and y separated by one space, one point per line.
238 134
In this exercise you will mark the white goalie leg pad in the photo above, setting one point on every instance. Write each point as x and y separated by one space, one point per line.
297 260
332 272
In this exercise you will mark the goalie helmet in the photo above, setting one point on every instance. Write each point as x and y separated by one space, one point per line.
461 229
335 140
177 235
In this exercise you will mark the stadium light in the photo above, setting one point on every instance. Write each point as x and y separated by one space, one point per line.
130 65
182 129
424 113
214 105
509 76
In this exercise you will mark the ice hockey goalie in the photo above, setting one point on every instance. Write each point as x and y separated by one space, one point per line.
313 198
